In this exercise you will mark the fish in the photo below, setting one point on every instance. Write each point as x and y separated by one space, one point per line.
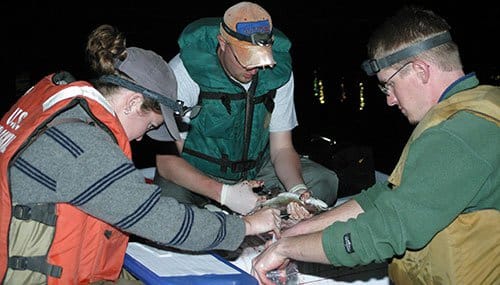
313 205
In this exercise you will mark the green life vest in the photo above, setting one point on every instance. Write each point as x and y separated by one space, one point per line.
229 138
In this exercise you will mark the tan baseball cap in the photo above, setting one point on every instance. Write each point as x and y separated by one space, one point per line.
248 28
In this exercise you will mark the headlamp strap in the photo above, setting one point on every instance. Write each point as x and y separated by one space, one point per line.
372 66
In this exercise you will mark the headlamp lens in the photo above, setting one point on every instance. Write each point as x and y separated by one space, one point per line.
262 39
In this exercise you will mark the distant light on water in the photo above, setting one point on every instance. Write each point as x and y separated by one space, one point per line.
318 88
361 96
343 95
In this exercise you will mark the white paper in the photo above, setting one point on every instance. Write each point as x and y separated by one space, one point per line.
166 263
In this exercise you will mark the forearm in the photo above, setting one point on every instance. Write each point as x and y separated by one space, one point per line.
286 162
308 248
349 209
180 172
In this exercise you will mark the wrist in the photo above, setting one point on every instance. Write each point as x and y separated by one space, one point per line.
298 189
248 226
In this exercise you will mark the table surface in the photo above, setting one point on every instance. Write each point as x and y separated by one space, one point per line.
309 273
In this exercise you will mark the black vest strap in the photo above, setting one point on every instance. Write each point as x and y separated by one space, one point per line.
225 163
213 96
35 263
41 212
267 99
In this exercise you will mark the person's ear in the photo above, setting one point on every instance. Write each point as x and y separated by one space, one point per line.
222 42
134 103
422 69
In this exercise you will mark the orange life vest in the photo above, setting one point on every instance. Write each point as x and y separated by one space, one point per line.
82 248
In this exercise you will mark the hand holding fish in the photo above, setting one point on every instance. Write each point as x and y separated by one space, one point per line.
302 190
263 221
240 197
295 208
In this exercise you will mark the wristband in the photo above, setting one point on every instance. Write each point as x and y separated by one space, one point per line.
223 194
297 188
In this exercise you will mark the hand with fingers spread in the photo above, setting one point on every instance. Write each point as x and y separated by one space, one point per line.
297 211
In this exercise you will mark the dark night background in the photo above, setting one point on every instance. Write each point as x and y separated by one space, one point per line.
328 39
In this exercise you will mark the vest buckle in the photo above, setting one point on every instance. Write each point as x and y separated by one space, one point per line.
18 262
22 212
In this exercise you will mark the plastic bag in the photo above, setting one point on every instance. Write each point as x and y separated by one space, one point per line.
287 276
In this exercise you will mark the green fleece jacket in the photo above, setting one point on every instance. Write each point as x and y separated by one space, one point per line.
452 168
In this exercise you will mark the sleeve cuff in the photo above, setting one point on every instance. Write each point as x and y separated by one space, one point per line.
338 245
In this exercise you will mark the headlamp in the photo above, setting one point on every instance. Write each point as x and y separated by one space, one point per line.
256 38
373 66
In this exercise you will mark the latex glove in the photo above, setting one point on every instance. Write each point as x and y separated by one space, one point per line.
240 197
302 190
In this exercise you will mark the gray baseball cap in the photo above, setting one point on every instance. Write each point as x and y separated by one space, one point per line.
150 71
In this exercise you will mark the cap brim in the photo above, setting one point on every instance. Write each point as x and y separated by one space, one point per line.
249 55
167 131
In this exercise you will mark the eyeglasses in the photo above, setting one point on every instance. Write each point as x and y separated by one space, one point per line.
384 85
